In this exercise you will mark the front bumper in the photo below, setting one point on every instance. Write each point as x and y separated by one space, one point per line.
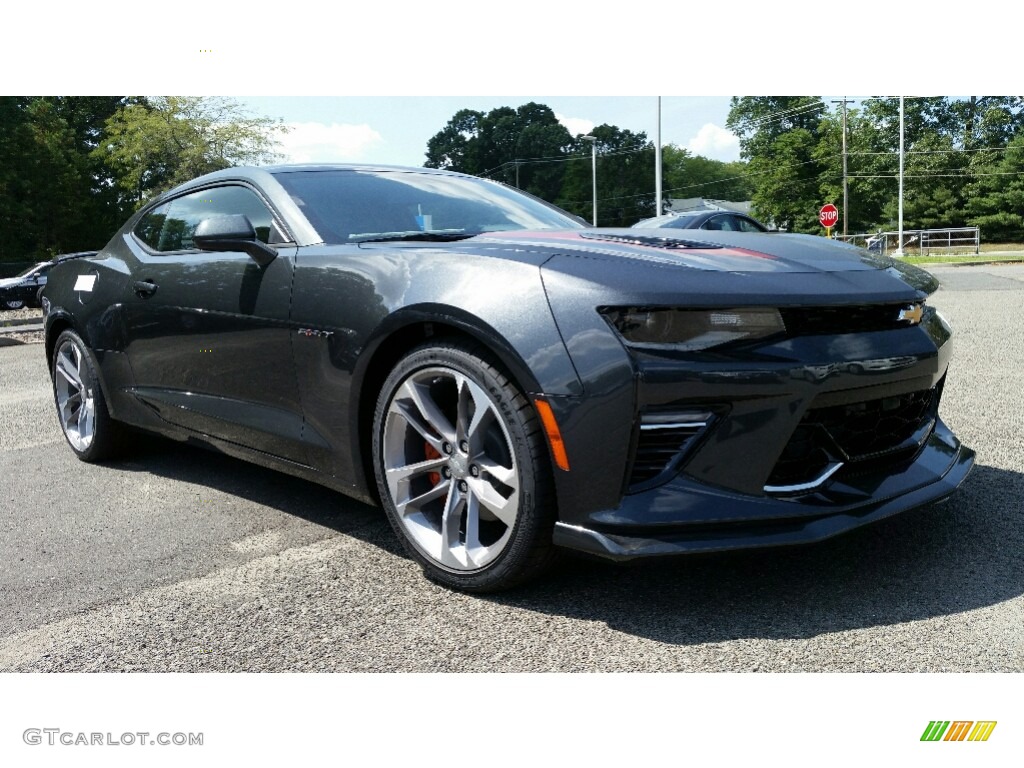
727 521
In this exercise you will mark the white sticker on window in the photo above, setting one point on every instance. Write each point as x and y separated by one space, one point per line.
85 282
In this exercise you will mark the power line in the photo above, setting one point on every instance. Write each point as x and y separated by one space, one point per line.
777 117
565 159
934 175
942 151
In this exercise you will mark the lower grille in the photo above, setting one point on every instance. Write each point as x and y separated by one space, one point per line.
859 436
862 430
663 443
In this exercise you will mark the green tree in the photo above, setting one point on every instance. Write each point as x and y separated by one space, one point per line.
522 146
995 200
454 147
153 146
937 131
16 153
687 175
779 136
53 197
625 178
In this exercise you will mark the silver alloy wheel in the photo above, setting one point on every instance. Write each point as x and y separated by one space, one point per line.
450 468
75 403
14 303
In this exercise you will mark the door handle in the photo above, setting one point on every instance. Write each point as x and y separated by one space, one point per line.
144 288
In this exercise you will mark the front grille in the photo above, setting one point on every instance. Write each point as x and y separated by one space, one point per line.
817 321
861 436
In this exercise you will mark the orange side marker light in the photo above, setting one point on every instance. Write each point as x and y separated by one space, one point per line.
547 418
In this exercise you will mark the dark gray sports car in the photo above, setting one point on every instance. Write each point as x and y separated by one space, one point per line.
503 380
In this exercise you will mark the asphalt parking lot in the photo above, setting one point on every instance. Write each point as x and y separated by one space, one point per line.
181 560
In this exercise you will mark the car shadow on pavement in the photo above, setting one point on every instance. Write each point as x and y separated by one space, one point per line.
936 561
7 341
291 495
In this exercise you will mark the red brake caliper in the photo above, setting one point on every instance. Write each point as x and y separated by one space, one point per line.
429 452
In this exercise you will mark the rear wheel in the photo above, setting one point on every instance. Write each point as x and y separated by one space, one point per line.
81 408
462 469
12 303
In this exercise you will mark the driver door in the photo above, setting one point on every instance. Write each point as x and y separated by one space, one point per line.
207 332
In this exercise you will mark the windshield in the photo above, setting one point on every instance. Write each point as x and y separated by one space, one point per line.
350 206
36 269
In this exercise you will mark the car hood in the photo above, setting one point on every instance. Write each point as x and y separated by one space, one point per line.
702 250
10 282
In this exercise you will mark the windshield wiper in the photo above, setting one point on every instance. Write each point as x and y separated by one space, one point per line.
429 237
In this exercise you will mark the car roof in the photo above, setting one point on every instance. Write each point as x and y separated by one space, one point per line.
67 256
292 167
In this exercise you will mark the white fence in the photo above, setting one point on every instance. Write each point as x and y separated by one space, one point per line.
920 241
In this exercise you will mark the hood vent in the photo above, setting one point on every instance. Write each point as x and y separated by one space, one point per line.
669 243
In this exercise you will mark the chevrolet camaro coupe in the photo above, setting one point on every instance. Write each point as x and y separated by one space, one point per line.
503 380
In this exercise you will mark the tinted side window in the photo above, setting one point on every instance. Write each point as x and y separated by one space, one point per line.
151 225
746 225
680 222
719 223
169 227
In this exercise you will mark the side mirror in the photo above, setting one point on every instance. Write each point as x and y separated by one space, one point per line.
232 233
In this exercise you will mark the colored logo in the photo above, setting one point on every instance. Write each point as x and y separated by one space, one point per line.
959 730
912 314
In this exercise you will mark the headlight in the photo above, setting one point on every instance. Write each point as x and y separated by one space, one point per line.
691 330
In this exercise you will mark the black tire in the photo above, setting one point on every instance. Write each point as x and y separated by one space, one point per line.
92 436
498 466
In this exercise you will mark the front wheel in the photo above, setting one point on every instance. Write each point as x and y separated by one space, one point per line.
462 469
12 303
81 408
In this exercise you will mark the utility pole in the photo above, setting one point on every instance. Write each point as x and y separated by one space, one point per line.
657 164
846 199
899 244
593 169
517 174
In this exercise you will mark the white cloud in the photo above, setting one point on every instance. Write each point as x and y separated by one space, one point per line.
321 143
716 143
577 126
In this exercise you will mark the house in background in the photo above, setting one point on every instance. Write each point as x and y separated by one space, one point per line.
681 204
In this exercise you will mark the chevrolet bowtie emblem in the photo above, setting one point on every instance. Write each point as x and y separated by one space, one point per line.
912 314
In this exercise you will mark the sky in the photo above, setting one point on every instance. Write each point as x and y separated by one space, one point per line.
394 129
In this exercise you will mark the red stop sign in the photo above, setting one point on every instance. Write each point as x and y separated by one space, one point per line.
828 215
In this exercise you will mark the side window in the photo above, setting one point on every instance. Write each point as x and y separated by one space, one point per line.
169 227
719 223
151 225
746 225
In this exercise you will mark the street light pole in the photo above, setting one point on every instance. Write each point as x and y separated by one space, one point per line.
657 164
593 170
899 244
